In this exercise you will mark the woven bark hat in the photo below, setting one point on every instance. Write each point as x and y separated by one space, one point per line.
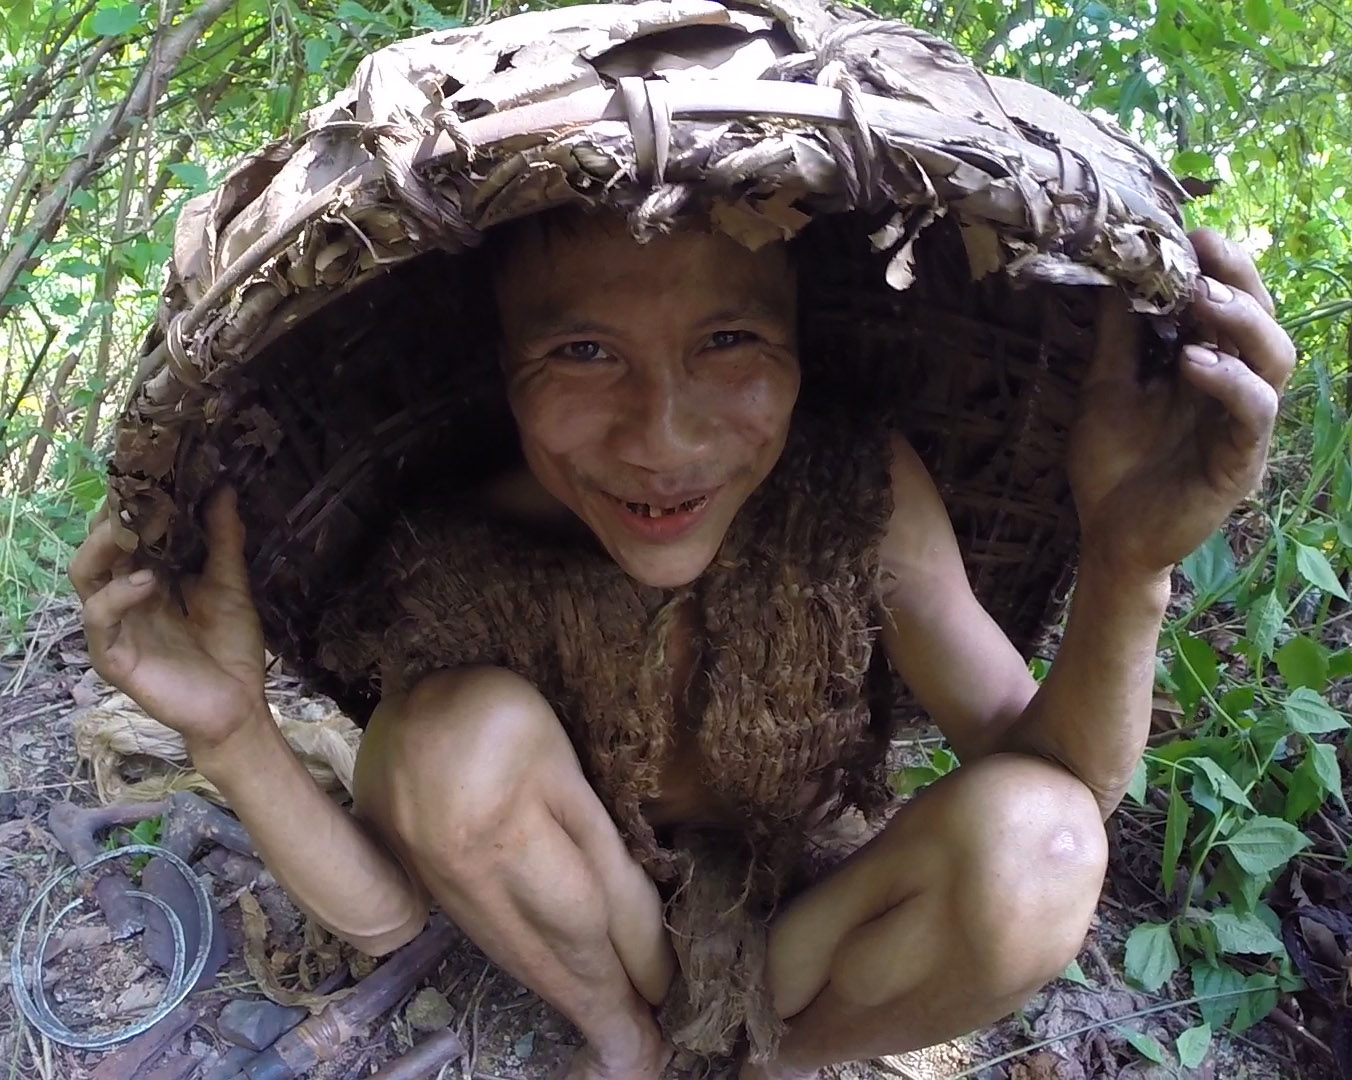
321 343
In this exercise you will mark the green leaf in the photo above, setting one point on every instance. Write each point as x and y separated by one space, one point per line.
1244 934
1175 831
1137 784
1322 760
1151 956
1198 164
1238 700
191 175
355 12
426 17
1212 983
1146 1045
1253 1007
1340 664
115 21
317 50
1262 844
1309 714
1305 791
1211 568
1074 973
1195 671
1258 15
1192 1046
1314 567
1303 662
1223 783
1265 618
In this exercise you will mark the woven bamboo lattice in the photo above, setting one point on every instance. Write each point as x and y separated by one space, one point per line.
321 342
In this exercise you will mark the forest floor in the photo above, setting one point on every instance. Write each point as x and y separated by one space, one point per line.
506 1031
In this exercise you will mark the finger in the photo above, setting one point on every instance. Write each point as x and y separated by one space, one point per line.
93 564
1249 401
225 542
104 611
1228 262
1242 327
1117 348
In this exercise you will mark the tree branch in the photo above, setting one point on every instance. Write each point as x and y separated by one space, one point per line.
51 212
39 88
52 416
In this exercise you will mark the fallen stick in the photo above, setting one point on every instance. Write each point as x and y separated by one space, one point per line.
320 1037
432 1053
127 1062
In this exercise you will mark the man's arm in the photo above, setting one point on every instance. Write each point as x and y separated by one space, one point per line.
197 667
1091 715
320 854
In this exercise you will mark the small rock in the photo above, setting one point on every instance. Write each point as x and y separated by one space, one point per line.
428 1011
256 1023
524 1046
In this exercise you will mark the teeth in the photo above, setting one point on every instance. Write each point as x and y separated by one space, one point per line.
650 511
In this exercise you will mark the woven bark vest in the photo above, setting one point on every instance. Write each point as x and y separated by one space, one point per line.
786 691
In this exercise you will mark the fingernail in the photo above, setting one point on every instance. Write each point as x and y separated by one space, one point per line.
1218 292
1199 354
141 577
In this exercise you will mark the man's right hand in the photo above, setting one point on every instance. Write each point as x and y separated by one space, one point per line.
199 672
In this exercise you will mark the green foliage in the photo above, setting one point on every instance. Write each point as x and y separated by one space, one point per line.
143 832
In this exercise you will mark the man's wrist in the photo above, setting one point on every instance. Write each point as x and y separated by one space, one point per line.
1123 584
242 745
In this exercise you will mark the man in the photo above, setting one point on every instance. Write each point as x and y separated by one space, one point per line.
653 388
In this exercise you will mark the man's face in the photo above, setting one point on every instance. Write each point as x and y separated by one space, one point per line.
652 384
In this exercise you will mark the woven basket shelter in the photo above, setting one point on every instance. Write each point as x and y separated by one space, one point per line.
320 342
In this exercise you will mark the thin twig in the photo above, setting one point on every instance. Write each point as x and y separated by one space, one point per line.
1294 1027
1165 1006
33 714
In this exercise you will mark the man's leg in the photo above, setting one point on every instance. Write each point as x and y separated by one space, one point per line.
975 895
473 783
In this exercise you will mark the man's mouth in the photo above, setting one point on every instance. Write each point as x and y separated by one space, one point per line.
652 510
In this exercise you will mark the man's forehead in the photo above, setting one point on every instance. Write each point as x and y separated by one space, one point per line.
703 275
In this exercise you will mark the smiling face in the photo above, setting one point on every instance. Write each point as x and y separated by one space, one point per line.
652 384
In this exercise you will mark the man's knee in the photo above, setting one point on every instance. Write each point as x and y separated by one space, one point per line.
1028 857
451 763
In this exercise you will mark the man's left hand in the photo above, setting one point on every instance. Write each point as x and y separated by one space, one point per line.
1157 466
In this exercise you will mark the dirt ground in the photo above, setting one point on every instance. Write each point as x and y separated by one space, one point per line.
506 1031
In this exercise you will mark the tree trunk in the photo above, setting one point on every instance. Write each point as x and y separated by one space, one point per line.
52 417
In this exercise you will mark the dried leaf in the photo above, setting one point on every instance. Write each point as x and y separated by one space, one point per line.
256 960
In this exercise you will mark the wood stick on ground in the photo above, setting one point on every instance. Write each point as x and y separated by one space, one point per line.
318 1038
433 1052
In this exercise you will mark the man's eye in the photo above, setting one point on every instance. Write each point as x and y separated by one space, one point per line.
727 339
580 350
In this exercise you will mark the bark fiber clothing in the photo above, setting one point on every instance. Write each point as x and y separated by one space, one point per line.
786 691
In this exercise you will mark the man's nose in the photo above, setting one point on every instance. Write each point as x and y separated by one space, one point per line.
664 426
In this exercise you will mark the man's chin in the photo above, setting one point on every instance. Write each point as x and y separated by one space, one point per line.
662 570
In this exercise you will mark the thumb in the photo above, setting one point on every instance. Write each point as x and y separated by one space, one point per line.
225 564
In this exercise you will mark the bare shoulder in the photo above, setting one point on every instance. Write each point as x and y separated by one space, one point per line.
919 537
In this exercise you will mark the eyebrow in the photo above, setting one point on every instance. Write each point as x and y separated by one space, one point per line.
551 322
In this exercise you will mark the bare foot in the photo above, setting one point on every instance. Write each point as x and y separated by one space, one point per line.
591 1064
